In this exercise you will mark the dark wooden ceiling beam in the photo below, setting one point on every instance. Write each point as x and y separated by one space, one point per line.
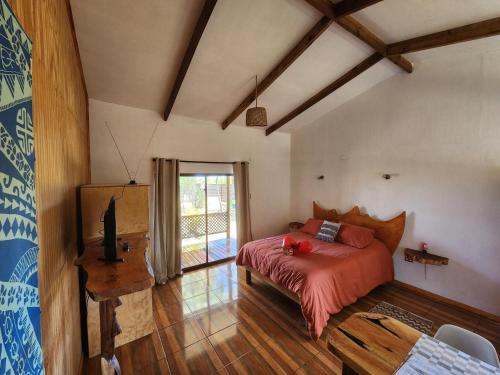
344 8
356 28
466 33
290 57
362 33
205 14
330 11
323 6
351 74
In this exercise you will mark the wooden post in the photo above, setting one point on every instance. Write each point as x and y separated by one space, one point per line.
109 329
248 276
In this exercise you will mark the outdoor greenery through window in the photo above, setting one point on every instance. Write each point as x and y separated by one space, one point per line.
208 219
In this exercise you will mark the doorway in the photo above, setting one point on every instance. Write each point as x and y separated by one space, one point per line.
208 219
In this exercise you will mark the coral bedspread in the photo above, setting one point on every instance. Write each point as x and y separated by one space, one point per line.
331 277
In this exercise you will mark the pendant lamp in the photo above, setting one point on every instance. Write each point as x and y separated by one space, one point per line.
256 116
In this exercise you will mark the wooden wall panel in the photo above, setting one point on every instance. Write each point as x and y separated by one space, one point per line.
132 208
62 163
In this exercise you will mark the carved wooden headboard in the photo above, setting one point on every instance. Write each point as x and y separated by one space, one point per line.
389 231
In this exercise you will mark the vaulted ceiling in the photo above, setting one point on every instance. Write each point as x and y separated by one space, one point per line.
131 51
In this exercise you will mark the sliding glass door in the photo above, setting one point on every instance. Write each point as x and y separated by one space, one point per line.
208 219
193 220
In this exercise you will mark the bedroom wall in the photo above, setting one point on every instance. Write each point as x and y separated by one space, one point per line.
62 164
190 139
438 129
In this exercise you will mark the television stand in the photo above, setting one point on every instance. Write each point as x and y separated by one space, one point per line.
106 282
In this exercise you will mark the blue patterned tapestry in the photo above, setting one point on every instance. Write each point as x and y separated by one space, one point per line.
20 341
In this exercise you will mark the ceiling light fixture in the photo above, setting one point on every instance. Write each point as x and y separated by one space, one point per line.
256 116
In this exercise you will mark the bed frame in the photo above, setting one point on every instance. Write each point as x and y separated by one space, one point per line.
389 232
248 274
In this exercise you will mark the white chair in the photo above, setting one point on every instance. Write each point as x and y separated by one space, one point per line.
468 342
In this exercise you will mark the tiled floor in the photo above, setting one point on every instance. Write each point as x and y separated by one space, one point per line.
195 255
210 321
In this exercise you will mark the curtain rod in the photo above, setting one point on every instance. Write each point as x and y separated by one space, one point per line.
204 162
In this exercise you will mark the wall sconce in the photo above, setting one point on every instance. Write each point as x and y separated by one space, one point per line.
388 176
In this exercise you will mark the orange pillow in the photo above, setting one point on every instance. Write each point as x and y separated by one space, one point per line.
355 236
312 226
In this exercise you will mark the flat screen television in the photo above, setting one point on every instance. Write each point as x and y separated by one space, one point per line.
110 233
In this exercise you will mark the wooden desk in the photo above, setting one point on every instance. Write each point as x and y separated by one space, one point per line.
106 282
372 344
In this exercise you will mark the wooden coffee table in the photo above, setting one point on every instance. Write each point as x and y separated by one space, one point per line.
372 344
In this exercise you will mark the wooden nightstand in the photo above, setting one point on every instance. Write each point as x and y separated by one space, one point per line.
294 226
425 258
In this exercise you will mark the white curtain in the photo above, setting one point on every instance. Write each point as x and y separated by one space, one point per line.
167 245
242 195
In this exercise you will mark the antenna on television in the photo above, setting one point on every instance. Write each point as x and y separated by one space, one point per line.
131 177
120 153
145 150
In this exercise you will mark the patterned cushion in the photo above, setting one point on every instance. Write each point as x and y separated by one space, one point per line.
328 231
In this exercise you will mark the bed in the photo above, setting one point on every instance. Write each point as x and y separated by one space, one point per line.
333 275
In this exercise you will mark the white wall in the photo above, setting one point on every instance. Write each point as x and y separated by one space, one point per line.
439 130
190 139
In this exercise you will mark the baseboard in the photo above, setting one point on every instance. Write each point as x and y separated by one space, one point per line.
438 298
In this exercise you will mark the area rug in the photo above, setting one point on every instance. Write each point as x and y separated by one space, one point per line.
406 317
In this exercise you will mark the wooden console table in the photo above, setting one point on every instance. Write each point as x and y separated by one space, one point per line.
132 216
372 344
106 282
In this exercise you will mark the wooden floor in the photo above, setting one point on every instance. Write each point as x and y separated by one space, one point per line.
210 321
217 249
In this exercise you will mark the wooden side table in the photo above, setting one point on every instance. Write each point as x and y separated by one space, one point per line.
106 282
294 226
425 258
372 344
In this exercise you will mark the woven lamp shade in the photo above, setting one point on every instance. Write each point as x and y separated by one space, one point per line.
256 116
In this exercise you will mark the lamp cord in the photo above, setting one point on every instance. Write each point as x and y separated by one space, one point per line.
256 91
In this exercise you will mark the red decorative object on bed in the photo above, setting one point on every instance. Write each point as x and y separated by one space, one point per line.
332 275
